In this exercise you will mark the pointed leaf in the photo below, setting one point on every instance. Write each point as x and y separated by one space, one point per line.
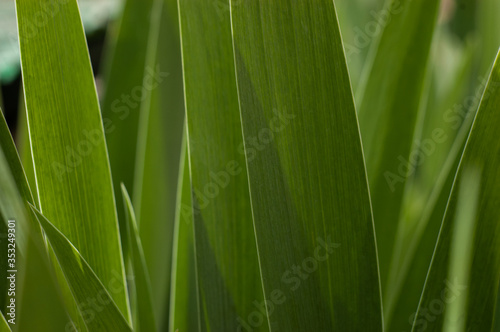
389 108
183 300
91 295
158 156
482 152
67 139
145 312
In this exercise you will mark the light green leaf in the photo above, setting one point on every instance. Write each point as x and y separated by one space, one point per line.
145 312
461 247
356 20
24 148
183 300
158 155
407 288
4 326
124 90
226 256
482 153
390 100
100 311
488 19
36 277
427 191
310 199
67 139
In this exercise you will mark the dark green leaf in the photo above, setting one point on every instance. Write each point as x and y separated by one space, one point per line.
310 198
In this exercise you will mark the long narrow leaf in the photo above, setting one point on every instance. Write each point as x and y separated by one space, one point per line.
482 152
310 198
91 295
388 113
67 139
226 256
158 155
461 247
183 300
145 312
125 90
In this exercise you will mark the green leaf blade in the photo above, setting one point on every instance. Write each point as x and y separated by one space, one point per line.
67 139
145 312
482 152
158 155
226 256
391 98
101 313
183 305
4 326
306 170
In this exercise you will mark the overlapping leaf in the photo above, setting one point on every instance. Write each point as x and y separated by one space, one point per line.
67 139
308 185
94 301
125 88
158 153
183 304
226 256
34 277
482 153
145 312
389 103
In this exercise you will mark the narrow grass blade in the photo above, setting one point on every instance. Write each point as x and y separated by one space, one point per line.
482 152
309 191
407 288
124 92
37 277
91 295
125 63
158 155
145 312
461 248
67 139
426 195
226 256
183 300
389 108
